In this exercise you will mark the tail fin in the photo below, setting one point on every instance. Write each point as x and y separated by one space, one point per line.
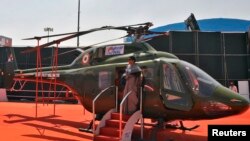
9 65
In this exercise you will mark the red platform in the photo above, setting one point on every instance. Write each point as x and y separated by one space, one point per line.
18 123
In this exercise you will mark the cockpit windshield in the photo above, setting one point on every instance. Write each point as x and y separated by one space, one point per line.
199 82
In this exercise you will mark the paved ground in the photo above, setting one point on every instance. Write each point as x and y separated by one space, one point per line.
18 123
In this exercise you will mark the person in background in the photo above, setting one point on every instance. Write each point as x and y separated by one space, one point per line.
233 87
133 81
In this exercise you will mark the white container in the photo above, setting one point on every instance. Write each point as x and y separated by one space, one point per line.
244 89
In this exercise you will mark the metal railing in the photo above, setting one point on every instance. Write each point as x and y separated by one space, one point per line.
116 107
121 107
142 120
116 98
93 105
121 110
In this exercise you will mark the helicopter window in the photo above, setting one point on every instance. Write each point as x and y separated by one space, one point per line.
148 75
198 81
147 72
99 53
104 79
133 48
171 79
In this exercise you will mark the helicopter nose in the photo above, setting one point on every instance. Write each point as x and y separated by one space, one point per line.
236 103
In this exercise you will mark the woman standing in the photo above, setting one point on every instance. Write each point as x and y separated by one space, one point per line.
133 81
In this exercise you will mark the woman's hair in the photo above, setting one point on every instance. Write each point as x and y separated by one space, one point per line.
132 58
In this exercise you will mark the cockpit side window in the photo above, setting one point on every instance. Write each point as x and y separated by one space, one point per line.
173 91
198 81
171 79
192 79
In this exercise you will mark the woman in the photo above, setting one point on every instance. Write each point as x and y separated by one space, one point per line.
133 81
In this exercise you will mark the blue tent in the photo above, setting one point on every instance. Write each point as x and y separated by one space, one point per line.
215 24
210 25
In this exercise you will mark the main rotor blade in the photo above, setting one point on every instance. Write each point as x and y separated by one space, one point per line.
76 34
63 34
55 42
47 36
94 29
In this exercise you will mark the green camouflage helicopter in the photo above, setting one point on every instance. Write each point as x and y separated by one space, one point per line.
172 89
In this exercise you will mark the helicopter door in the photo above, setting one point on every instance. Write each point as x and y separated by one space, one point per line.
119 81
173 92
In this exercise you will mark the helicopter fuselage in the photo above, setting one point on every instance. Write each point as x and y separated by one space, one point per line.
173 89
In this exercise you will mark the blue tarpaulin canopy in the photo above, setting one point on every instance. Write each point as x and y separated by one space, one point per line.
216 25
207 25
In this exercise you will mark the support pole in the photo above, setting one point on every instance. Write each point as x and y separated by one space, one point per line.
54 73
38 61
78 22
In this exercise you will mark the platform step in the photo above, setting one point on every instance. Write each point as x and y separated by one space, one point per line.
109 131
117 116
105 138
114 123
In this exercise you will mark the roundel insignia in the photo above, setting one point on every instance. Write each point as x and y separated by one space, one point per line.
85 58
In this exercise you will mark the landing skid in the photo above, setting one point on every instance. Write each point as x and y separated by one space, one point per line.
88 129
181 127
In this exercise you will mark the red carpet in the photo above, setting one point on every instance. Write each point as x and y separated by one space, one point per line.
18 123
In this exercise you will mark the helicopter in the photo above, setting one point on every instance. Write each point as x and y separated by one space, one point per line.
172 89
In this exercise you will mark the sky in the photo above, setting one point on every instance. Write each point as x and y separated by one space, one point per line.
21 19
